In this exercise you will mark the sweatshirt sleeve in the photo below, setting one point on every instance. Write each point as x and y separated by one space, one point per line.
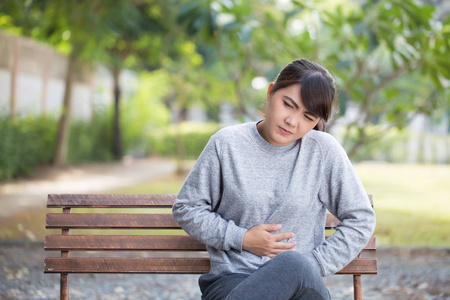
195 205
344 196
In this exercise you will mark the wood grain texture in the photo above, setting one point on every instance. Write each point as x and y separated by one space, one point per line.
117 200
111 200
134 242
163 265
361 266
116 221
357 287
129 221
194 265
127 265
122 242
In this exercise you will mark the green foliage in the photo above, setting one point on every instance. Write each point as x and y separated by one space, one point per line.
29 142
389 57
24 144
193 136
391 147
90 141
145 112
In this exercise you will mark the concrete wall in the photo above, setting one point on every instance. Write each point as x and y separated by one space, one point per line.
39 72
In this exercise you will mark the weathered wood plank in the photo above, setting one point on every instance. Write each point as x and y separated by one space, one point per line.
122 242
117 200
361 266
127 265
142 221
128 221
111 200
134 243
164 265
116 221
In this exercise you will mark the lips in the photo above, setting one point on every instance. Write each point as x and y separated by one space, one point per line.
284 131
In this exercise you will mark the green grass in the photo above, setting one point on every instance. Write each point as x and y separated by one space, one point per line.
167 185
411 202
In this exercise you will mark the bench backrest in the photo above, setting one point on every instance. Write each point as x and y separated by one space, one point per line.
149 212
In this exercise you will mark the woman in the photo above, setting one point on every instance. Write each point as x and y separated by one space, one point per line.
259 193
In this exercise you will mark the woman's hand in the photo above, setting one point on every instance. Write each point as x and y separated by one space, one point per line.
259 241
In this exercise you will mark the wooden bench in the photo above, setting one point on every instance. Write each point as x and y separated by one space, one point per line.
192 258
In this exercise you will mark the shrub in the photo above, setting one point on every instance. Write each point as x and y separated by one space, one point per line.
25 143
194 137
90 141
28 142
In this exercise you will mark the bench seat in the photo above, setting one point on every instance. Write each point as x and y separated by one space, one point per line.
150 230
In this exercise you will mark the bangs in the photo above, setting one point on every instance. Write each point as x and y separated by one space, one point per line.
316 96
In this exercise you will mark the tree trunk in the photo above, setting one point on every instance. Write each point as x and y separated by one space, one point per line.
45 78
117 133
14 66
181 150
361 141
62 138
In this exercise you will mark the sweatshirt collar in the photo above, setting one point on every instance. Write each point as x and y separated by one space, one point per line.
265 145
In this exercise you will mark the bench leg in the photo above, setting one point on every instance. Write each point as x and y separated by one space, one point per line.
357 287
64 290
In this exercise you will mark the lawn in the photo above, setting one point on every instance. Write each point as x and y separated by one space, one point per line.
411 202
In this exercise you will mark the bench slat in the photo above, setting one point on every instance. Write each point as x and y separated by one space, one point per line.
361 266
122 242
117 200
117 221
127 265
131 221
134 242
111 200
164 265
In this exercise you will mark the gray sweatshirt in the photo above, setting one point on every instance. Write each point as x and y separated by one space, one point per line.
240 180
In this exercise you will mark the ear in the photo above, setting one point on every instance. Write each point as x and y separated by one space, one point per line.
269 91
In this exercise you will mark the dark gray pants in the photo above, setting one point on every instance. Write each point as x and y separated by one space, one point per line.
289 275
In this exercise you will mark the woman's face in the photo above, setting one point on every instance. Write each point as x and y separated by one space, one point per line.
286 118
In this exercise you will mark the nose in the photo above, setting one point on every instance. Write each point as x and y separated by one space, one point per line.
292 120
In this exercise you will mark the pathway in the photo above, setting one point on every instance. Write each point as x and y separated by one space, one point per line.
26 194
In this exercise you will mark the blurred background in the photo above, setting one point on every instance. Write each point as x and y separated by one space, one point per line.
121 96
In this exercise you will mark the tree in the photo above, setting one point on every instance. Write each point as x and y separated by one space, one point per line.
378 51
87 31
139 27
383 54
230 30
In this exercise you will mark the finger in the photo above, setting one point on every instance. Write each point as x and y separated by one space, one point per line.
270 227
282 236
276 252
283 246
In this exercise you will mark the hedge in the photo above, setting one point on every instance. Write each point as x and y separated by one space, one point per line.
24 144
28 142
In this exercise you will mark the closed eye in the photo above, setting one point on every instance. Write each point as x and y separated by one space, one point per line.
308 118
287 104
